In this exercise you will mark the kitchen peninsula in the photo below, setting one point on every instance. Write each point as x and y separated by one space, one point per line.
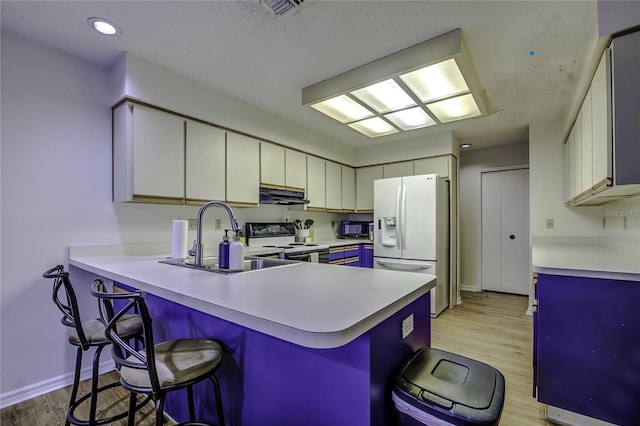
308 343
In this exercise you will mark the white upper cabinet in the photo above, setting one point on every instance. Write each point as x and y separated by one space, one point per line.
295 176
316 185
586 144
437 165
243 170
577 155
334 186
272 165
364 187
404 168
600 125
148 155
603 145
205 163
348 195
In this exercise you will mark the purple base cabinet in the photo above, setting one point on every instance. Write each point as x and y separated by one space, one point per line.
267 381
587 346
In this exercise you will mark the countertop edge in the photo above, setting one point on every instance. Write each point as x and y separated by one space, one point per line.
591 257
306 338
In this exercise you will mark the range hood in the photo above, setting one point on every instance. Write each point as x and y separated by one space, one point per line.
282 196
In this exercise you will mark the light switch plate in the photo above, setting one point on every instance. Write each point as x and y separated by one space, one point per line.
407 326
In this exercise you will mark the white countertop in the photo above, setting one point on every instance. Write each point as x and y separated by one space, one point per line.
586 257
309 304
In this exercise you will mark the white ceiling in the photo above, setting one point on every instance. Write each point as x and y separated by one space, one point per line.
243 50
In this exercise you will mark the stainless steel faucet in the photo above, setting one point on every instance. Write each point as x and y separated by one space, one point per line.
197 245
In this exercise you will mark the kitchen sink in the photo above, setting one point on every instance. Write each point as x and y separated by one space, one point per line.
250 264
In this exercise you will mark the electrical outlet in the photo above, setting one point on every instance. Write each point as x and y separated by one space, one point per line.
218 224
192 224
407 326
549 223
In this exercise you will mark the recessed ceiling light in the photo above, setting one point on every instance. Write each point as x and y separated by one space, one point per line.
465 145
104 26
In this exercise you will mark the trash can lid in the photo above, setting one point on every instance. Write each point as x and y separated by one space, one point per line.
445 379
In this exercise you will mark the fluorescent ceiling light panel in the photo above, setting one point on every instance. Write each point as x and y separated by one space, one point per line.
343 108
412 118
427 84
454 109
441 80
384 96
374 127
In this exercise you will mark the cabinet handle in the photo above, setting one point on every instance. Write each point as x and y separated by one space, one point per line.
512 237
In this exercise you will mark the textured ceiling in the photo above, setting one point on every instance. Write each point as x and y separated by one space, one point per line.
241 49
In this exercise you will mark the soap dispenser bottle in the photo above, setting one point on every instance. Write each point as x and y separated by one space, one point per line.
236 254
223 251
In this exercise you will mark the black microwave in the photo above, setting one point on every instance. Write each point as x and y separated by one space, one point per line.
354 229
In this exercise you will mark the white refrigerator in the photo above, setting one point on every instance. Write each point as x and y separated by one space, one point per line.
411 230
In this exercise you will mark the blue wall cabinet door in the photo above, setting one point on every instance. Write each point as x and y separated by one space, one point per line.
588 346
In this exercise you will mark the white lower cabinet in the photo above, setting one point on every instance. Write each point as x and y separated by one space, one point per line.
243 170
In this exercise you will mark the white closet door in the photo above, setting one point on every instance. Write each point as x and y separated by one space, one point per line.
515 231
505 231
491 231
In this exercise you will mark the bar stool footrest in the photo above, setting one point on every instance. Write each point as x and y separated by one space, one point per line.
71 418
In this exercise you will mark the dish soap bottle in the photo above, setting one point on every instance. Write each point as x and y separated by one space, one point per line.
236 254
223 251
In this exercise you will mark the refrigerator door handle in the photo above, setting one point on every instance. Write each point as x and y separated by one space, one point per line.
399 217
404 266
403 216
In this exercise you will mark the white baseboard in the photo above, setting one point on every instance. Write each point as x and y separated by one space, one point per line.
565 417
8 399
472 288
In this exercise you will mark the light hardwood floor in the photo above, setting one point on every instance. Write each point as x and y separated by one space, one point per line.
488 327
493 328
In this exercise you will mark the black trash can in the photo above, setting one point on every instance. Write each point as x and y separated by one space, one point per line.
435 387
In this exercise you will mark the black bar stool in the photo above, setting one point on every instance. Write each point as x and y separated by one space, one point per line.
161 367
86 335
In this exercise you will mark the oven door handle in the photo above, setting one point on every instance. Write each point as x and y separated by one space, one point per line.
305 257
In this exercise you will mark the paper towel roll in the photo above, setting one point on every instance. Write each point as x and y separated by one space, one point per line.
179 239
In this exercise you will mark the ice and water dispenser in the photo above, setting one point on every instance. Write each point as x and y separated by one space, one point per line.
387 231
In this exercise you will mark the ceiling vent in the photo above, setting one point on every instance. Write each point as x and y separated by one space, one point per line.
280 7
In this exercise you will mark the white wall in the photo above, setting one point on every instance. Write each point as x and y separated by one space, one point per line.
472 164
547 188
160 86
615 215
408 149
56 167
56 192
